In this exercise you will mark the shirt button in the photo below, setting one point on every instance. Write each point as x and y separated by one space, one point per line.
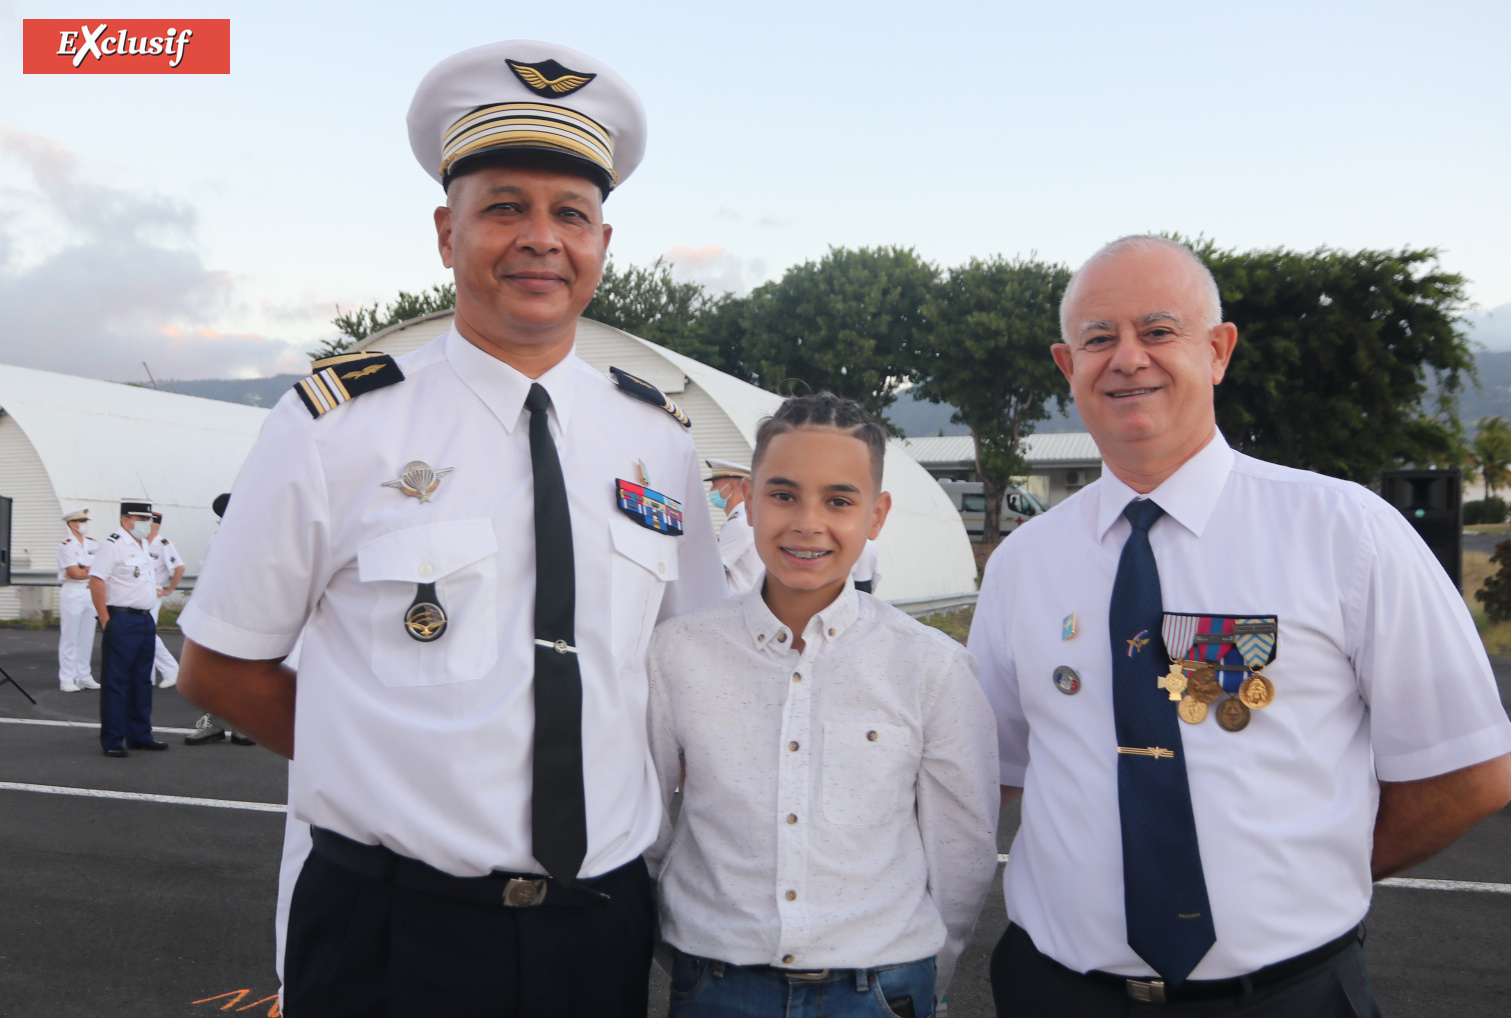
797 677
788 959
426 569
833 632
792 746
660 567
871 736
792 896
792 818
781 637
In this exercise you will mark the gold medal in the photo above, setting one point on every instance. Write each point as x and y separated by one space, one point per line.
1203 685
1192 711
1232 715
1257 692
1174 682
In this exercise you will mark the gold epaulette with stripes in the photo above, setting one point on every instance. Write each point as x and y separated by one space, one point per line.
345 377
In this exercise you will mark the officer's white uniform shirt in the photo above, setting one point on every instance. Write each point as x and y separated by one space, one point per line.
742 565
1378 668
867 567
73 553
166 558
426 747
123 563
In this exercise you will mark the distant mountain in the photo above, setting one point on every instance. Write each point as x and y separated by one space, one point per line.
251 391
1493 398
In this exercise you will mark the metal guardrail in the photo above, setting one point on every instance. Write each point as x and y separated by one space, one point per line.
919 607
49 578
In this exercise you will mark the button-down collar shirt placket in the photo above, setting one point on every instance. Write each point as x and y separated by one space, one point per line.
426 747
840 808
742 564
127 569
1378 668
72 553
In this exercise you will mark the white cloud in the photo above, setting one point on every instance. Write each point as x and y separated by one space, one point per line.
95 280
1492 327
716 268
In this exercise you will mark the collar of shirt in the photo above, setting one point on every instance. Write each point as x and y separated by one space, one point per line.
1189 495
768 632
503 388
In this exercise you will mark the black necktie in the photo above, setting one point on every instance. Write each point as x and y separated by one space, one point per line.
558 816
1164 891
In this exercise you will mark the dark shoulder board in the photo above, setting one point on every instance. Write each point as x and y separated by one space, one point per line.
645 392
345 377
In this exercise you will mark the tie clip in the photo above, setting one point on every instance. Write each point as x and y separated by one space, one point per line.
562 647
1155 751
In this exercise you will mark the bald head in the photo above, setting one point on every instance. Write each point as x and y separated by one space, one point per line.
1207 302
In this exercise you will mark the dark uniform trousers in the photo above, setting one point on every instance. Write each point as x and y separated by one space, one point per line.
368 946
1028 984
126 674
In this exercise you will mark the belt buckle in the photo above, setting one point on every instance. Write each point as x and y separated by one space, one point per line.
1147 991
522 893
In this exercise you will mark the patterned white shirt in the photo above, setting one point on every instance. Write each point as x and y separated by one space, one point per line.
840 808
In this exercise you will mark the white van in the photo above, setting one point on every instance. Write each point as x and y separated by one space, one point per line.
969 499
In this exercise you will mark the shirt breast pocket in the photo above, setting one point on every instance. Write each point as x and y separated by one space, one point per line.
869 771
645 561
461 559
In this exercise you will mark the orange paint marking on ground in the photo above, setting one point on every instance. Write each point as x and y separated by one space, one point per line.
237 995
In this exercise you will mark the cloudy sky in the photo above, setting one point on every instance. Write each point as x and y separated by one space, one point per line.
211 226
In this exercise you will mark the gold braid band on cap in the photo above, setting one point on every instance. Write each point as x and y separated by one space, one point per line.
530 125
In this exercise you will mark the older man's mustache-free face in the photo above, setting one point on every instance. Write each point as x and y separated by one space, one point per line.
1141 362
527 246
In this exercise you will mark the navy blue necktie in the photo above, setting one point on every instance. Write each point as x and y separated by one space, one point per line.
1164 890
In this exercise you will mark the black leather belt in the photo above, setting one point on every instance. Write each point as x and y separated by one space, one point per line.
510 890
128 611
1154 991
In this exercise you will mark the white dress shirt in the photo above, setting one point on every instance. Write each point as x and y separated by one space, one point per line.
427 747
1378 670
166 559
840 808
123 563
742 564
72 552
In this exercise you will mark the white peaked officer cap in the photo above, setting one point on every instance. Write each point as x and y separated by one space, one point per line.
726 468
76 514
526 96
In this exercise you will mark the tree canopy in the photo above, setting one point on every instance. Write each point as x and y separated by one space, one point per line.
357 325
1348 362
993 323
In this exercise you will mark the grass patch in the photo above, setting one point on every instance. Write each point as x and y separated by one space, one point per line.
1493 529
955 624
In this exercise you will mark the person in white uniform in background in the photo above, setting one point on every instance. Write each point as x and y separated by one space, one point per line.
742 566
168 570
75 610
867 572
210 728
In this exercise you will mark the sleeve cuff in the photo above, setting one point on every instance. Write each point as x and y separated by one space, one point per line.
1449 755
1012 775
233 641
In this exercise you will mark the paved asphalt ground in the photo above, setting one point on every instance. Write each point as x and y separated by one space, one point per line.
135 908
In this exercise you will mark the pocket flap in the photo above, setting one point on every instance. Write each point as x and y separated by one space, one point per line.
650 549
426 554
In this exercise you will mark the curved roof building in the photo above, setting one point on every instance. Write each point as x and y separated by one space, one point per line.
925 556
67 441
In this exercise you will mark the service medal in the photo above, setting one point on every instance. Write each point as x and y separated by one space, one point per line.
1232 715
648 507
1174 682
1202 684
1257 692
1192 711
1067 681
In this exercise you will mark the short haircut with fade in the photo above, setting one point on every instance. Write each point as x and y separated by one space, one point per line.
823 410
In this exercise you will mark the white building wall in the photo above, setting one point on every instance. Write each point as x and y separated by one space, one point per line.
35 527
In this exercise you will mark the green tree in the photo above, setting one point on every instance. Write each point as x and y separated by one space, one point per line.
650 303
1348 362
1491 452
357 325
993 323
851 323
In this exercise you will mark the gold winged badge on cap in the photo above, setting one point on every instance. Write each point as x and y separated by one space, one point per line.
418 480
548 78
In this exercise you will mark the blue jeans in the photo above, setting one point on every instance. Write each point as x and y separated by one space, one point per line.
705 988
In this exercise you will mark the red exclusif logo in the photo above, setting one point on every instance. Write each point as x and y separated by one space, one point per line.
134 46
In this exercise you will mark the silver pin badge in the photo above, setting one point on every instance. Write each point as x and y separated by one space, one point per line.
1067 681
418 480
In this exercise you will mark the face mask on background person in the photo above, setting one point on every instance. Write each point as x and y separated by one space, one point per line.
141 529
716 499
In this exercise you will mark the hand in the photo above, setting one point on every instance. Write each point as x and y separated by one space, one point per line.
165 593
104 621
